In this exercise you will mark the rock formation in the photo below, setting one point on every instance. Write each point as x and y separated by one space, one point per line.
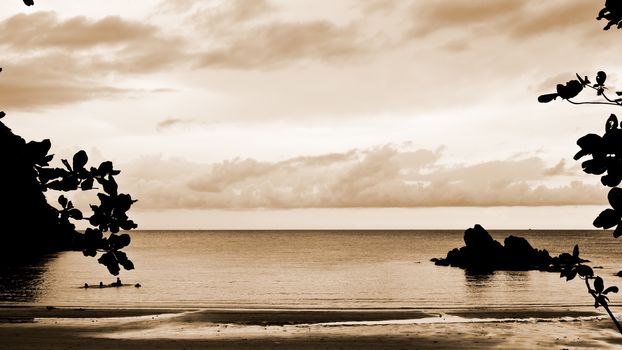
483 253
28 224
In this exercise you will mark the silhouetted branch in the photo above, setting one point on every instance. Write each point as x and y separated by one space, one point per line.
594 103
600 299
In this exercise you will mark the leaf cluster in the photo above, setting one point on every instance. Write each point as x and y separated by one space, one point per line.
612 13
109 215
606 160
574 87
575 268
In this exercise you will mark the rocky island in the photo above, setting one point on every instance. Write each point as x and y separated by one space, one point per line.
482 253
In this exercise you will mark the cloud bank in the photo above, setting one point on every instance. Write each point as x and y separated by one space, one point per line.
379 177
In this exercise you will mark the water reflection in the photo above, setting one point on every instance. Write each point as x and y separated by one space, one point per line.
22 281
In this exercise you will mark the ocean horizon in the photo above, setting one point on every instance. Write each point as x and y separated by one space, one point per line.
308 269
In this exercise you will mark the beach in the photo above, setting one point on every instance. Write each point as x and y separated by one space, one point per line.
77 328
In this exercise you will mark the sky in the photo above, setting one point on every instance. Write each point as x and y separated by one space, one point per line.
264 114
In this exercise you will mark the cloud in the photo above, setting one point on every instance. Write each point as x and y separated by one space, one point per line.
519 19
274 44
51 61
379 177
30 87
45 30
170 122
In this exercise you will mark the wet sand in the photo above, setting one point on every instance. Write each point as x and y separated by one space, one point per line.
75 328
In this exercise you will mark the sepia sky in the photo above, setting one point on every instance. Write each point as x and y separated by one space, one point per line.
317 114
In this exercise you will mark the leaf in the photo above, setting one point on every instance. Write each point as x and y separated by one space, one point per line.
124 261
75 214
119 241
66 163
601 77
108 259
547 98
612 289
607 219
599 285
110 186
580 79
611 123
617 232
575 251
105 168
87 184
594 166
611 180
89 252
62 201
585 271
571 275
79 160
615 198
570 90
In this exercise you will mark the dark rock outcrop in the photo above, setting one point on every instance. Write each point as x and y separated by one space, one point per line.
483 253
28 224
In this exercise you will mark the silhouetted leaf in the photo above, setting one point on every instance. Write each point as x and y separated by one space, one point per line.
62 201
89 252
601 77
615 198
75 214
105 168
570 90
617 232
599 285
611 180
612 289
547 98
590 144
87 184
110 186
124 261
2 114
108 259
66 164
575 251
594 166
608 218
79 160
580 79
571 275
119 241
585 271
128 225
611 123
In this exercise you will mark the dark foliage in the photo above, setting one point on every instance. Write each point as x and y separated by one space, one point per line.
34 227
612 13
605 160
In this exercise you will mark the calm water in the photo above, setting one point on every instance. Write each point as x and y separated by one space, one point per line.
318 269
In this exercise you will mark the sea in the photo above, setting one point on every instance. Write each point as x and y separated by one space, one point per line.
319 269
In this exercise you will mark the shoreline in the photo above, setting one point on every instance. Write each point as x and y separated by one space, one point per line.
29 327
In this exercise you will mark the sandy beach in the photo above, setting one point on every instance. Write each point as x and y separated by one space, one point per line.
77 328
